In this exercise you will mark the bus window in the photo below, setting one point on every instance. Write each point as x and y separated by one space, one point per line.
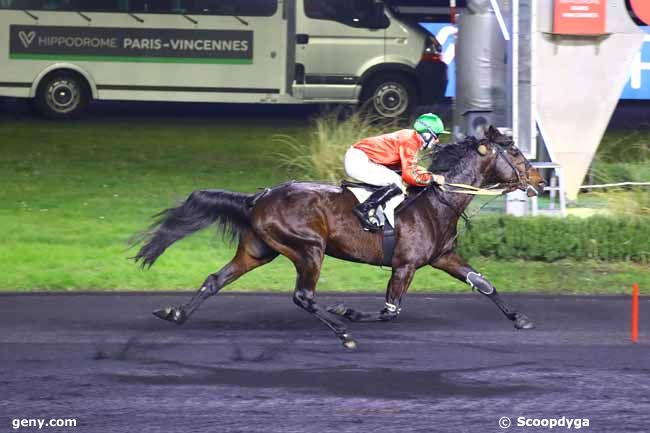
57 5
65 5
353 13
251 8
21 4
94 5
264 8
156 6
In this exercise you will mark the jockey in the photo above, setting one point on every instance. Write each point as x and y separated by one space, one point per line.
373 160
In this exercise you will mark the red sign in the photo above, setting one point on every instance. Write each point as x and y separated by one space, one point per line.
579 17
641 9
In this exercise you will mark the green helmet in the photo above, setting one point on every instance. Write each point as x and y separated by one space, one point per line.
429 122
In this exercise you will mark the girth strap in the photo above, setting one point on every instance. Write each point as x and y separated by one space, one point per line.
388 243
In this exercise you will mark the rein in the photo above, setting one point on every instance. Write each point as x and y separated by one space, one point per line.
461 188
467 219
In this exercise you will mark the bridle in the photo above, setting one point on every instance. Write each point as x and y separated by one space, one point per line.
492 190
522 183
497 189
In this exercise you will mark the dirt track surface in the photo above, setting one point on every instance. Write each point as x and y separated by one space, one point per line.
256 363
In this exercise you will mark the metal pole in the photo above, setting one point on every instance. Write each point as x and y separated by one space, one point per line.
533 78
552 191
515 69
452 11
516 203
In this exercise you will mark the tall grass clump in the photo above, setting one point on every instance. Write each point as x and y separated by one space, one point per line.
623 157
625 146
628 203
320 157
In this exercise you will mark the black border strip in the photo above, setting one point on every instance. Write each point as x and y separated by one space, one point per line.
21 85
330 79
186 89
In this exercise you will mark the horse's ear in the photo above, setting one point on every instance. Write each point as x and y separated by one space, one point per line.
482 149
493 133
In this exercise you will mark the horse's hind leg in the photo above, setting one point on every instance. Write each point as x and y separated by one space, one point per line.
251 253
397 286
360 316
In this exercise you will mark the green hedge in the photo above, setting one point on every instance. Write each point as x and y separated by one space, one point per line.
549 239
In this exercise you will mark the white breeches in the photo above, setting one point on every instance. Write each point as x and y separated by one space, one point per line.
360 167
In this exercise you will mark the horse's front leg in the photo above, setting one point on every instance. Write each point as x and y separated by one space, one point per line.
458 268
397 286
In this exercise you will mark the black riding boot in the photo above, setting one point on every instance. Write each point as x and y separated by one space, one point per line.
365 211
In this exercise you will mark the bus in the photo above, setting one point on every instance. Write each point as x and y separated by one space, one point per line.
65 53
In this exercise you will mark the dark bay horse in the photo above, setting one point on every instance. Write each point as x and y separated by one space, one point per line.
306 221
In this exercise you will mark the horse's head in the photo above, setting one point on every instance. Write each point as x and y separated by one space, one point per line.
510 166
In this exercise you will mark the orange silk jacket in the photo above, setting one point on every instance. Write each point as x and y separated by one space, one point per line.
397 149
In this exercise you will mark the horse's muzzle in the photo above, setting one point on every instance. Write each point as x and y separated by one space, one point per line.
533 190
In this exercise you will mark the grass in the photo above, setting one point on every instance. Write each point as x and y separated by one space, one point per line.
73 193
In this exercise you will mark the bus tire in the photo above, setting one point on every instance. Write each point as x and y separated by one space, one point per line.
62 95
390 95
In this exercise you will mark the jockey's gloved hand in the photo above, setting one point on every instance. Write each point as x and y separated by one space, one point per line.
437 178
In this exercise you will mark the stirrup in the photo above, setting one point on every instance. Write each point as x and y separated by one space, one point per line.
366 211
369 222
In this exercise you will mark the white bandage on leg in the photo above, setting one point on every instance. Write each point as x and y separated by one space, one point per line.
392 308
478 283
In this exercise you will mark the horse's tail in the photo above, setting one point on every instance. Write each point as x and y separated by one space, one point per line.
230 210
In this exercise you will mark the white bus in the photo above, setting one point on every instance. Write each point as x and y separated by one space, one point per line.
65 53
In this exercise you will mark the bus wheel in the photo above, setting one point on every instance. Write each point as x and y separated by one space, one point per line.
390 95
62 95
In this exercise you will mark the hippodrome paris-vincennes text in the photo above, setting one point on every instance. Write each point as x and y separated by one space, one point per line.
143 43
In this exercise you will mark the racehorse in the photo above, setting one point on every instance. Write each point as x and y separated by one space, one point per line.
306 221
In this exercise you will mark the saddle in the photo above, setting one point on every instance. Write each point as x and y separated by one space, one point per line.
355 184
411 193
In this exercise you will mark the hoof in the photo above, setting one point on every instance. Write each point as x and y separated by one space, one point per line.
176 315
523 322
348 342
339 310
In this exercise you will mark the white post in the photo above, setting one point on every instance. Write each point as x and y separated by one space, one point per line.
514 61
552 192
452 11
516 202
533 78
561 192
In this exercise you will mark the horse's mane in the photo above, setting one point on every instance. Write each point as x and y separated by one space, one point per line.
447 159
